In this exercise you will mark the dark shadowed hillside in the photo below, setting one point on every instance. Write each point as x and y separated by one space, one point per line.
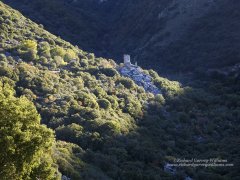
176 36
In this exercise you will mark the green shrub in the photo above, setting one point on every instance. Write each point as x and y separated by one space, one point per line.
113 101
99 92
70 55
91 56
169 88
84 63
128 83
59 61
104 103
86 99
3 58
109 72
133 107
112 126
44 49
28 50
58 51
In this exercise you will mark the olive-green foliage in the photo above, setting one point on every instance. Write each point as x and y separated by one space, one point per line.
69 132
3 58
70 55
28 50
58 51
59 60
128 83
99 92
23 140
113 101
133 107
104 103
87 100
170 88
69 164
109 72
44 49
112 126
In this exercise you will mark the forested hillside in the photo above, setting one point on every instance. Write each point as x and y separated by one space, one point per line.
106 126
169 35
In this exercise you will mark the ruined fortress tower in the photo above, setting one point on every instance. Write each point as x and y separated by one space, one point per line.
127 60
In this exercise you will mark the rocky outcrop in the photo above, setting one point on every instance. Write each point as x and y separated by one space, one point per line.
136 73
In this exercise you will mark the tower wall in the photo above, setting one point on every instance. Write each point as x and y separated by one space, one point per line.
127 59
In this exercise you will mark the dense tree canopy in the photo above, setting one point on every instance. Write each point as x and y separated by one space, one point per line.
25 144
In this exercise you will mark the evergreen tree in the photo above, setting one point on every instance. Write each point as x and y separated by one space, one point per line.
26 145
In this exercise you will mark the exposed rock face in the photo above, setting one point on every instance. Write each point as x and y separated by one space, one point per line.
135 73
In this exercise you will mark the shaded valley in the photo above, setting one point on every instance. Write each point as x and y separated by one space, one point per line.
168 36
